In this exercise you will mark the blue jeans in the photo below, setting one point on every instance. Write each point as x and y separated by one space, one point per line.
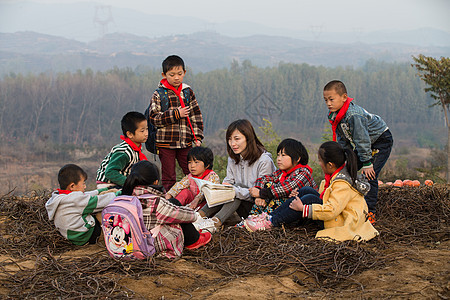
384 146
285 215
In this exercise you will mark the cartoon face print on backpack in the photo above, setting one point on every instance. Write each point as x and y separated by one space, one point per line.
120 237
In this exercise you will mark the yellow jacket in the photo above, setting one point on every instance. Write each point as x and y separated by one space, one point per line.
344 211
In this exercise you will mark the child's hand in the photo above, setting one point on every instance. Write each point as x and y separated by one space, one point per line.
293 193
296 204
184 111
109 191
197 143
195 202
369 173
167 196
260 202
254 192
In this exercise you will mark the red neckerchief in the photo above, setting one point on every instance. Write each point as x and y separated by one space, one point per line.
63 191
177 92
339 116
207 171
134 147
328 179
284 174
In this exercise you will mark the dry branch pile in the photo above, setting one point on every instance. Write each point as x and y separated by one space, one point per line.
406 216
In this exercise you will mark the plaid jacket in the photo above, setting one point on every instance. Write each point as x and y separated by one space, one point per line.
157 210
173 131
276 192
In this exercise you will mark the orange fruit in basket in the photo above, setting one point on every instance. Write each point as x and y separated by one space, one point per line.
429 182
380 182
398 183
407 182
416 183
389 183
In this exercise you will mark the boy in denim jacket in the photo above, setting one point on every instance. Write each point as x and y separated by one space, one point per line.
365 133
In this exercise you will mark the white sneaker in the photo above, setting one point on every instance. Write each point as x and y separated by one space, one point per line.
197 223
208 224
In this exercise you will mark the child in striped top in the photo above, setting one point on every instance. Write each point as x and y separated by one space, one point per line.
117 164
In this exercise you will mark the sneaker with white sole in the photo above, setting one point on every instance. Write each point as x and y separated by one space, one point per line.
197 223
240 224
258 224
259 217
209 224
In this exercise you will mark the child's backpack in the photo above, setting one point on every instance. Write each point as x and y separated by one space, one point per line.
150 144
124 230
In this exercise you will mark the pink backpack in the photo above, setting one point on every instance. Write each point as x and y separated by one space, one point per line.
124 230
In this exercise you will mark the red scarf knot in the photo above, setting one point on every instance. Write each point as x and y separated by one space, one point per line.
328 179
63 191
340 116
207 171
134 147
177 92
284 173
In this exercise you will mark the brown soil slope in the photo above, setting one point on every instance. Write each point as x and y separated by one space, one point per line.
410 259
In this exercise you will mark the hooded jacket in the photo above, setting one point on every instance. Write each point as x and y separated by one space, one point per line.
72 213
344 210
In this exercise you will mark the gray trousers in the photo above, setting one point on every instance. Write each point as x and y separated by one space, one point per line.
223 212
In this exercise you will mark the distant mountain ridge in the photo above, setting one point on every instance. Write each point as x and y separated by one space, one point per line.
81 21
203 51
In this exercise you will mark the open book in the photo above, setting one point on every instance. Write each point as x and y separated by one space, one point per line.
215 194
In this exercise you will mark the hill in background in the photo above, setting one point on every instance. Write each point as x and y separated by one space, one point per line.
24 52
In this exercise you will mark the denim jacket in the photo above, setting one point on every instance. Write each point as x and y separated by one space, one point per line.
358 130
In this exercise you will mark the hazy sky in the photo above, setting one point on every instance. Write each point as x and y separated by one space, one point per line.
333 15
329 15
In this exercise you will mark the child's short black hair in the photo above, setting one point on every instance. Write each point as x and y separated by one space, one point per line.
172 61
130 120
203 154
295 150
336 85
69 174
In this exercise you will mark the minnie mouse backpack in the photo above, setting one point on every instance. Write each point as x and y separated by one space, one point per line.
124 230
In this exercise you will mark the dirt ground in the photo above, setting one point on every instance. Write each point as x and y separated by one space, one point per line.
421 273
409 260
414 245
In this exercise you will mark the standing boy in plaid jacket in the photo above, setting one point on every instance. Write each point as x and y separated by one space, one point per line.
180 126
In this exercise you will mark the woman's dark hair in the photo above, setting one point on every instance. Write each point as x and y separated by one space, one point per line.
203 154
295 150
336 154
254 148
143 173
